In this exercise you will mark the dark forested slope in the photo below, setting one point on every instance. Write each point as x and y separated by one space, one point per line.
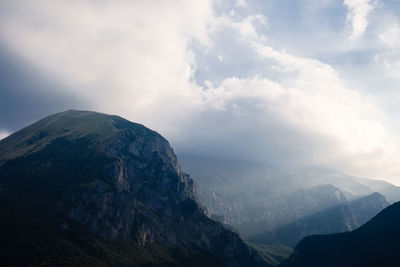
376 243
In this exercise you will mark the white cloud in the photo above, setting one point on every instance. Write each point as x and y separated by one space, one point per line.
126 57
241 3
331 124
342 129
357 17
387 60
245 28
135 60
391 36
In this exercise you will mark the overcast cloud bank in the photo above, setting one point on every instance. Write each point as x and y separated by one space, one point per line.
220 78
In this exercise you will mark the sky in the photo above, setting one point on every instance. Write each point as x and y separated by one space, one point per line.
306 82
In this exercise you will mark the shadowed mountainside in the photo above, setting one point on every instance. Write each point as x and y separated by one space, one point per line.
84 188
376 243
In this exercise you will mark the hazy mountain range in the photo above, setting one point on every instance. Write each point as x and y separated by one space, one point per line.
89 189
282 205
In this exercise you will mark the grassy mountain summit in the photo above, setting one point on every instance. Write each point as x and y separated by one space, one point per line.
84 188
71 124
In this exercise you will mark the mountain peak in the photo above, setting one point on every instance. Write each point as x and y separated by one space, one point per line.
72 124
117 179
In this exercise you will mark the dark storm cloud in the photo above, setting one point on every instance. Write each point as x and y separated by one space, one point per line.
27 95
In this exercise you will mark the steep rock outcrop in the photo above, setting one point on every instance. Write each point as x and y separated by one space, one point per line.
118 179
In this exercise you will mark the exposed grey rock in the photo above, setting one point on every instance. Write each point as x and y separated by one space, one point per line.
261 200
140 193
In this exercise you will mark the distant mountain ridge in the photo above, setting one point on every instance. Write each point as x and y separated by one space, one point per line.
341 218
266 203
376 243
391 192
84 188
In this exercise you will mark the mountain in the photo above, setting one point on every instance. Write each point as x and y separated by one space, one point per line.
391 192
266 203
376 243
84 188
341 218
365 208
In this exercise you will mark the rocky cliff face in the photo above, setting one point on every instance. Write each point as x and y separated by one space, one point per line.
335 216
119 180
281 206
